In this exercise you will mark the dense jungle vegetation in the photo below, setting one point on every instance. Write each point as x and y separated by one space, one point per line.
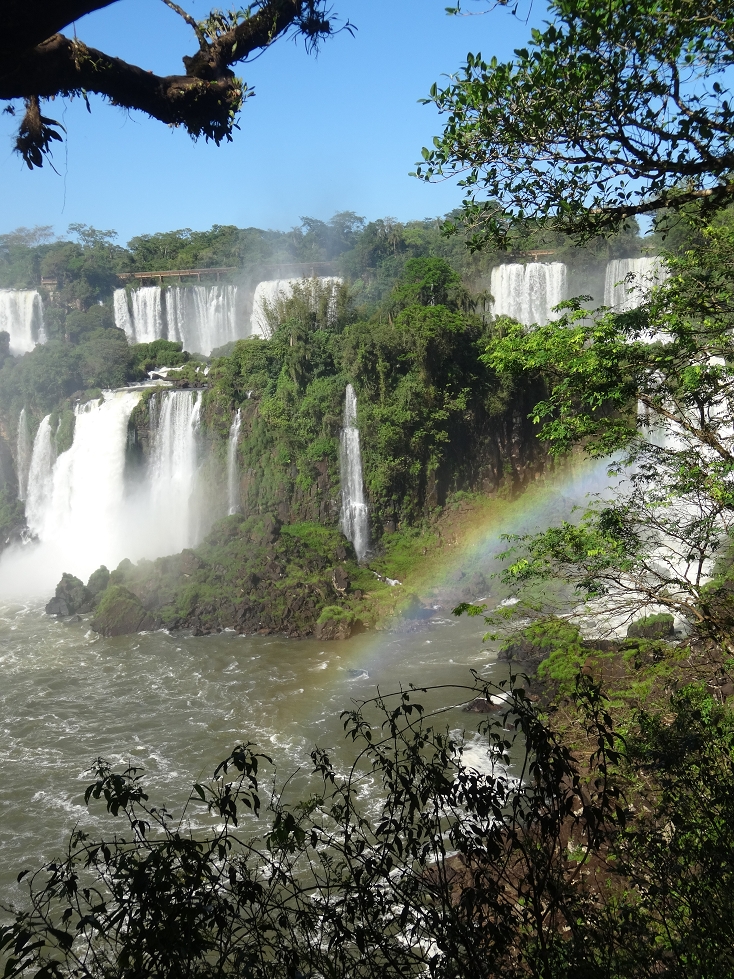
601 842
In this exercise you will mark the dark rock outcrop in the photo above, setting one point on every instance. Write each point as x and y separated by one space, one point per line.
120 613
651 627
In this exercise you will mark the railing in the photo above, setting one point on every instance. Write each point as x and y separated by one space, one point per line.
300 268
177 273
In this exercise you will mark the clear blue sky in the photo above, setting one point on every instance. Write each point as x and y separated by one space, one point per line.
337 132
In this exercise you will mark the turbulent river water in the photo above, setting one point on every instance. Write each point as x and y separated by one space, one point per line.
177 706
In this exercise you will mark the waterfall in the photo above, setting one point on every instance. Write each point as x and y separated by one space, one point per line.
354 515
147 314
88 480
623 295
201 317
233 481
23 454
528 293
270 291
21 315
173 466
123 320
39 486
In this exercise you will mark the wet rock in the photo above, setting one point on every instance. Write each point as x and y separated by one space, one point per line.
120 613
334 623
57 606
72 594
189 562
480 705
98 581
651 627
340 581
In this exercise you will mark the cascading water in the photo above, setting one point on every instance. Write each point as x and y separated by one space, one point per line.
270 291
201 317
82 510
21 315
39 487
83 515
528 293
354 514
624 294
233 481
173 467
23 454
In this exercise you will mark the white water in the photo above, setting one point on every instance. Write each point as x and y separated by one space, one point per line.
233 481
40 477
173 468
269 292
23 454
21 315
201 317
82 510
624 294
528 293
354 515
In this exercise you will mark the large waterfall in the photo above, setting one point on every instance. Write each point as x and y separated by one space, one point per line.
173 467
233 480
354 514
528 293
21 315
269 292
622 293
86 509
203 318
23 454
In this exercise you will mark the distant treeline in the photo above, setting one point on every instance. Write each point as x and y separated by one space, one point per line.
85 265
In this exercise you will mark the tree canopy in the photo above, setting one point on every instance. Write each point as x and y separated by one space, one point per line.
40 63
615 109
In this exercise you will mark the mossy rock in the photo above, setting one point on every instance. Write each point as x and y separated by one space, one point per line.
98 580
71 597
651 627
120 613
334 623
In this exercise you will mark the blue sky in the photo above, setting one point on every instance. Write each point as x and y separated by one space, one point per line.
337 132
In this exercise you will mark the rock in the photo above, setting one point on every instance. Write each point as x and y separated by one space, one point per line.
57 606
189 562
334 623
98 581
480 705
340 553
72 595
121 613
651 627
332 630
339 580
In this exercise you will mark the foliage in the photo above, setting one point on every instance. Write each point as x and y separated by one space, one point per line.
43 63
611 110
539 870
651 389
425 398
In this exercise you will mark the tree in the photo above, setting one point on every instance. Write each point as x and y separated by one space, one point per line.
653 390
40 63
615 109
412 862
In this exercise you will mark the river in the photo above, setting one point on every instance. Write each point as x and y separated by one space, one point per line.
176 705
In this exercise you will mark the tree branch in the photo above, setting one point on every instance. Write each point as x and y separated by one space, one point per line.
28 22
